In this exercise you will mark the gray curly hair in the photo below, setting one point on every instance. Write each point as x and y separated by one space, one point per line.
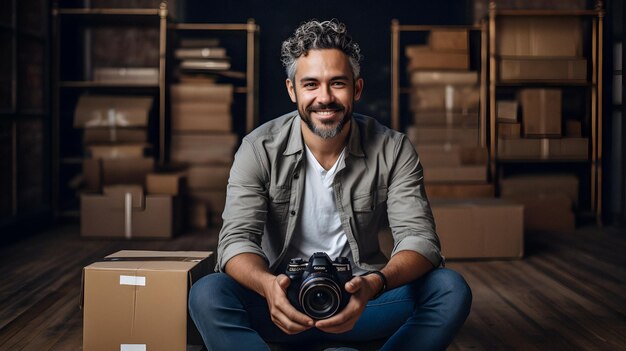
314 35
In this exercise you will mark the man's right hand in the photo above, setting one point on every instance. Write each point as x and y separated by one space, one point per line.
284 315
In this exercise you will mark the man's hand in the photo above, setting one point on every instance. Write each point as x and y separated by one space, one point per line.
283 314
362 289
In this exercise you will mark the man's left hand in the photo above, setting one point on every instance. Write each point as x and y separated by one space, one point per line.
362 289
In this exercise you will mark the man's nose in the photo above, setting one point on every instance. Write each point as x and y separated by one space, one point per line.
325 95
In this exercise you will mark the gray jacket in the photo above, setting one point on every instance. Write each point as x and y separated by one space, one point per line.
381 178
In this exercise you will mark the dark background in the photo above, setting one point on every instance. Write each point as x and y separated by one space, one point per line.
369 23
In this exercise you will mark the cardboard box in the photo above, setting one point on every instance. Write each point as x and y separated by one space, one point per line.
201 93
480 228
444 78
465 173
549 212
451 119
543 149
449 40
93 111
446 98
539 36
214 200
450 155
100 172
509 130
208 177
188 122
459 190
166 183
540 185
203 149
541 111
93 136
438 135
506 111
118 151
572 69
137 300
132 75
422 57
115 213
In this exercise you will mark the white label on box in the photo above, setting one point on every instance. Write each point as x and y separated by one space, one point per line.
133 347
132 280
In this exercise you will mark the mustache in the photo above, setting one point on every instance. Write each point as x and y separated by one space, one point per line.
330 106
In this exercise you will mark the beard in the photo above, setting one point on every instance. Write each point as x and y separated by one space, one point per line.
326 130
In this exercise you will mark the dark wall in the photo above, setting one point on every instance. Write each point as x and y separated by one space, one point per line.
368 21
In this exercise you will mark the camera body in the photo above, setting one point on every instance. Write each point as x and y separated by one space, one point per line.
317 286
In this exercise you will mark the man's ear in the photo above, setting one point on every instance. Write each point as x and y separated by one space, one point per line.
291 89
358 88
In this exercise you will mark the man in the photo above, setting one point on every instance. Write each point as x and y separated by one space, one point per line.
323 179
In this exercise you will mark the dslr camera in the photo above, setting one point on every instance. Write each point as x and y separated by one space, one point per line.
317 286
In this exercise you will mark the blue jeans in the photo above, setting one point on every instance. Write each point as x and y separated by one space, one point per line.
425 314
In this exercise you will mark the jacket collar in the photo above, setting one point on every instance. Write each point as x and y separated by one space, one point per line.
296 142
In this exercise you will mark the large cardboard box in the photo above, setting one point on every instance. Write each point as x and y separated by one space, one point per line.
166 183
203 148
118 151
541 111
541 68
544 149
449 40
448 98
188 119
423 57
93 136
509 130
548 212
539 36
506 111
93 111
124 211
447 155
459 190
208 177
444 77
539 185
451 119
137 300
100 172
439 135
480 228
201 93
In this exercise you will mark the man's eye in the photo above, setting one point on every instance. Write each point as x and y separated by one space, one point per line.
309 85
339 84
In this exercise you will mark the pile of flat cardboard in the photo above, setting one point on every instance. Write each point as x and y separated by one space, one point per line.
445 102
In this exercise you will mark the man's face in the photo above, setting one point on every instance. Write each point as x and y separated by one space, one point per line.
325 91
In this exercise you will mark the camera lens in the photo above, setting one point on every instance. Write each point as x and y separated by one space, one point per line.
320 297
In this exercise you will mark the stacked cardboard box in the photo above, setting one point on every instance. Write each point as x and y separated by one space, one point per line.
115 138
202 129
541 48
137 300
539 134
549 199
445 102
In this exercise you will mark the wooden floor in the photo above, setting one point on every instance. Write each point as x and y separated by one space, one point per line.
568 293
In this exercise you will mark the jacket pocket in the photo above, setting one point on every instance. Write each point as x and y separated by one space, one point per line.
278 204
367 206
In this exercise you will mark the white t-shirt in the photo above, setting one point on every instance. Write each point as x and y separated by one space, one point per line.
319 227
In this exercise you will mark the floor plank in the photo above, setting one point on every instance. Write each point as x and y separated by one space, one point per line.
569 292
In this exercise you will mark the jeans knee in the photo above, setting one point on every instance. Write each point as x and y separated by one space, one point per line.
205 292
454 289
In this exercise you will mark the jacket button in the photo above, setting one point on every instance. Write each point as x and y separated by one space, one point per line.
293 213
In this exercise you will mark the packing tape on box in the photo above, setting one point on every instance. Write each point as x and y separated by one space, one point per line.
128 215
112 125
133 347
132 280
152 258
113 118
